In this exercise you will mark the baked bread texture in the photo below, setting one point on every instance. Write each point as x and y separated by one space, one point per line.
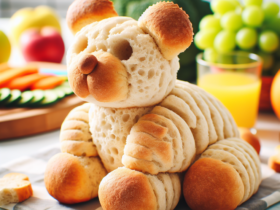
141 125
170 26
150 77
75 137
128 189
14 188
83 12
213 185
71 179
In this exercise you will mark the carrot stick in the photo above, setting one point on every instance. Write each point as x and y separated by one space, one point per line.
23 83
48 83
4 67
8 76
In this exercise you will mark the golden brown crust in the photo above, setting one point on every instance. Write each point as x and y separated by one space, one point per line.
64 179
83 12
126 189
151 128
108 81
78 82
87 63
274 162
170 26
252 139
213 185
71 179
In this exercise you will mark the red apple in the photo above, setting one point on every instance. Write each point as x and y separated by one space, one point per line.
42 45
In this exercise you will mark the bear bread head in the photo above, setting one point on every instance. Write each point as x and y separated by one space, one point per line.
120 62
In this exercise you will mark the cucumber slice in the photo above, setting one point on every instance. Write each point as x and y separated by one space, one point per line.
5 95
50 98
67 90
26 97
65 84
60 93
39 95
16 96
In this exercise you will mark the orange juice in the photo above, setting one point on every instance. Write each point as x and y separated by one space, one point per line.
239 92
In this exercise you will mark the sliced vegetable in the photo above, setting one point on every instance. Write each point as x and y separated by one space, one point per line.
50 98
67 90
60 93
23 83
15 97
5 95
26 98
7 76
39 95
48 83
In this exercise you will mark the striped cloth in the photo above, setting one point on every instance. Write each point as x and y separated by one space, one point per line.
34 166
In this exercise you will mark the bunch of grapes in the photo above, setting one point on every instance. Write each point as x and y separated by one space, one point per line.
253 26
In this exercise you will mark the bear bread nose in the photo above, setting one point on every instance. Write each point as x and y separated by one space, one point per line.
87 63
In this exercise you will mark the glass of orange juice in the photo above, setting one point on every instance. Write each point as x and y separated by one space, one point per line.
235 80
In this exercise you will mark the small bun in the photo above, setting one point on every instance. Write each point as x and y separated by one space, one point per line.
83 12
71 179
126 189
213 185
170 26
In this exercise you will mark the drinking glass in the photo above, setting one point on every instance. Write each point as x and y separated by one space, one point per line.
235 79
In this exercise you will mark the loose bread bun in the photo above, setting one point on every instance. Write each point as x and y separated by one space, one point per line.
128 189
83 12
14 188
210 184
170 26
71 179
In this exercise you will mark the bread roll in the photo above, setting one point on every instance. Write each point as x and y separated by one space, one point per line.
210 184
71 179
83 12
14 188
150 77
75 137
170 26
128 189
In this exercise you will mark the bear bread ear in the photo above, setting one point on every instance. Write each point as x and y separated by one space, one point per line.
83 12
170 27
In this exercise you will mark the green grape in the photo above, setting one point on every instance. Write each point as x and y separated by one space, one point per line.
246 38
225 41
222 6
253 2
270 10
231 21
268 41
274 25
205 38
210 22
253 16
210 55
267 58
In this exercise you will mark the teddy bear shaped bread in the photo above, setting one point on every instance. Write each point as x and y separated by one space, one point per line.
144 138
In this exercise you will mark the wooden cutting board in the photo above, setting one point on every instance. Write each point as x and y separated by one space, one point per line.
20 122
